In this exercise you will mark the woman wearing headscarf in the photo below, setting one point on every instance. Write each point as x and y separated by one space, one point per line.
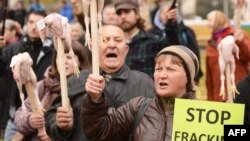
175 69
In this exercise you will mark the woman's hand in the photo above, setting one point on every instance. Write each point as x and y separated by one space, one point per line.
36 120
94 87
64 118
238 34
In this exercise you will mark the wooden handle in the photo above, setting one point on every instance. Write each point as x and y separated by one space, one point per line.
94 37
61 69
35 104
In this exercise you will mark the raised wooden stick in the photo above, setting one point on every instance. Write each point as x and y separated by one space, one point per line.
94 37
61 69
34 103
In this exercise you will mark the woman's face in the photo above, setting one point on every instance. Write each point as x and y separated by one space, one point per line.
69 64
76 31
170 76
210 21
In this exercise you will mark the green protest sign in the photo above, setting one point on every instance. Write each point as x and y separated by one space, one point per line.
196 120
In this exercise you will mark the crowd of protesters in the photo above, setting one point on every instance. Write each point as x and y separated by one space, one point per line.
137 65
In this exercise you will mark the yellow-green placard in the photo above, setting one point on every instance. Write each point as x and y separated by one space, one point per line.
196 120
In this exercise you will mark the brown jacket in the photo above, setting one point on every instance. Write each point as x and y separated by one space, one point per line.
102 123
212 65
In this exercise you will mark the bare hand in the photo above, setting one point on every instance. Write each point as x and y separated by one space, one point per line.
238 34
36 121
43 136
64 118
2 42
171 14
94 87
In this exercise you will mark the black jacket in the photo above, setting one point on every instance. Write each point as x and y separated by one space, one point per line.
186 37
244 97
75 93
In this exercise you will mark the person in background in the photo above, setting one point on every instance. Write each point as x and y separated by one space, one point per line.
143 46
109 15
77 34
77 9
48 90
12 35
13 31
186 35
66 9
220 27
175 69
35 5
41 54
243 88
157 4
18 12
122 84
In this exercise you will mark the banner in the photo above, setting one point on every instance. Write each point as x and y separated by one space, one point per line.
196 120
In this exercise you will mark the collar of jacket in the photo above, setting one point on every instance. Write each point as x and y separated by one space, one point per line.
157 21
168 103
121 74
218 35
132 36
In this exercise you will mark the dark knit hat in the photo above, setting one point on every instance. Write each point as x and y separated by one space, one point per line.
189 58
126 4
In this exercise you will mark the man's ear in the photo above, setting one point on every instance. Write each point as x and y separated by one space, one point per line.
126 49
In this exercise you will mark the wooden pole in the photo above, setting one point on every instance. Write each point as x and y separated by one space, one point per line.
94 37
33 98
229 85
35 105
61 69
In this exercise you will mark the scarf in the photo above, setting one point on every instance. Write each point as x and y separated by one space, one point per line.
52 89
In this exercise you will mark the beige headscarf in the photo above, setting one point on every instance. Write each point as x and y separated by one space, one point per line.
189 58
